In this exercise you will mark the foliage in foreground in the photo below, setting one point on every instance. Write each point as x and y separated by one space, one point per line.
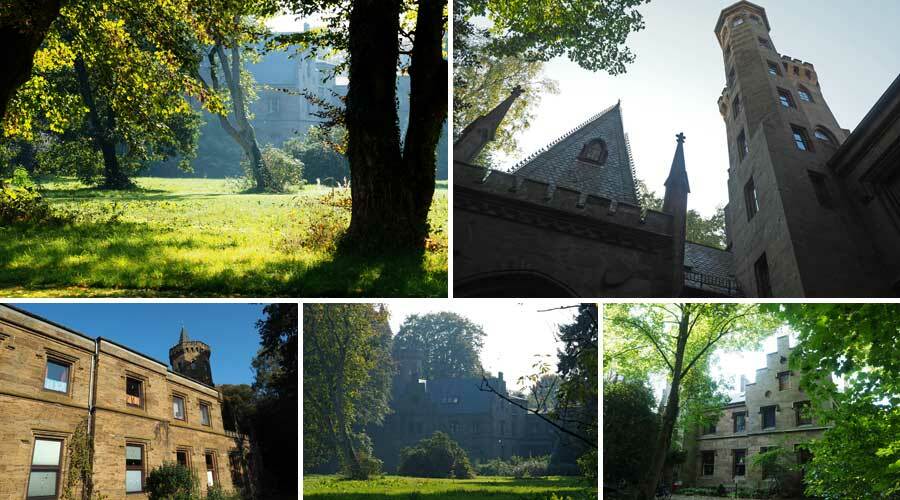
435 456
628 404
495 488
171 481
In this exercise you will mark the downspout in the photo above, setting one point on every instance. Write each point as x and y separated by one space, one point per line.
92 391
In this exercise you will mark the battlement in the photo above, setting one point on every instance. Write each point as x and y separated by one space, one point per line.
192 346
516 187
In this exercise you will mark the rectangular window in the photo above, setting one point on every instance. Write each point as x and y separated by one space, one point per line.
804 412
801 139
784 381
709 462
774 70
743 150
57 377
804 95
761 270
181 458
740 462
750 200
763 42
784 96
211 478
709 428
134 392
736 105
204 413
821 189
768 417
178 407
43 481
134 468
740 421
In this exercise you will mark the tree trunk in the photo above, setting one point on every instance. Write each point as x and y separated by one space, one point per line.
23 26
343 435
427 110
101 132
383 210
647 489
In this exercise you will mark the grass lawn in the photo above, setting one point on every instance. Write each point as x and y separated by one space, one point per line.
495 488
199 237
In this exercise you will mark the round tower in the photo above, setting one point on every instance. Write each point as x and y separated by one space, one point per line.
191 358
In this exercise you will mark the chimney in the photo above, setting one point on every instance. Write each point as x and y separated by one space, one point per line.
500 375
783 344
744 383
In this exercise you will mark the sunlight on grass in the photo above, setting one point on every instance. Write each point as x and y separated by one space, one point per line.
392 487
199 237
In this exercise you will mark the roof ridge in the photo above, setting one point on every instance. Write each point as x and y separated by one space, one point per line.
527 159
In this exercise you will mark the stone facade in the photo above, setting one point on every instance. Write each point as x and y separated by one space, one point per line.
483 424
125 398
767 414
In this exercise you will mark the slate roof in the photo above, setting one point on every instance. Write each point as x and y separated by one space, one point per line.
557 162
713 263
469 399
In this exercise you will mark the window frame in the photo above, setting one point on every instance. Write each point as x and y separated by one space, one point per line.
798 409
46 468
201 405
142 468
764 42
803 138
773 68
786 98
742 452
742 146
801 91
751 199
206 464
587 147
762 276
142 396
737 21
50 358
704 463
828 136
183 399
743 417
784 380
762 420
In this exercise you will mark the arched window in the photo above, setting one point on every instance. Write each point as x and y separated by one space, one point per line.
594 151
825 136
805 94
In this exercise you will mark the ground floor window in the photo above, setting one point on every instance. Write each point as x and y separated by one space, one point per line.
211 478
181 457
740 463
134 468
709 462
43 482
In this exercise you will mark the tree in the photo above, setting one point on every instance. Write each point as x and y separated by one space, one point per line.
319 151
346 373
859 457
392 181
708 231
627 404
544 392
238 407
673 339
450 343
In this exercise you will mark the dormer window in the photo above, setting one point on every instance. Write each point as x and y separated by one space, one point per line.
594 152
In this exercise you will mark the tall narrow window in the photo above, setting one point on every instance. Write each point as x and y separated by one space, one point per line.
784 381
57 377
774 70
43 481
801 140
134 392
736 105
204 413
764 43
211 477
821 189
804 94
740 421
740 462
743 150
784 96
761 270
804 412
134 468
181 458
178 407
752 204
709 462
768 417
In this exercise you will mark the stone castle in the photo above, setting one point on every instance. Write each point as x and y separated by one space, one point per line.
483 424
770 412
813 209
60 386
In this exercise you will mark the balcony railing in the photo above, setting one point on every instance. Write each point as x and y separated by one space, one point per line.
717 284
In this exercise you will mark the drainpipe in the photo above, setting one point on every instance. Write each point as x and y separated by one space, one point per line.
92 394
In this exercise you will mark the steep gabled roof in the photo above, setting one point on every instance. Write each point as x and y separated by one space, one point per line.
558 164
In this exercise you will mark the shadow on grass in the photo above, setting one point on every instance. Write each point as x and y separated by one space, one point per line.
455 495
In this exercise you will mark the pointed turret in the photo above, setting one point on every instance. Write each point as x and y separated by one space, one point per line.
482 130
184 337
675 204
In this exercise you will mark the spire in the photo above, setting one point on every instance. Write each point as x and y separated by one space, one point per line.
678 173
482 130
183 338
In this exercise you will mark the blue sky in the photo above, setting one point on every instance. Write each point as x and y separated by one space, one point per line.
678 75
151 329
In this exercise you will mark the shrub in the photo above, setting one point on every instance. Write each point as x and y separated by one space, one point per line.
217 493
171 481
517 467
320 160
435 456
281 170
588 463
22 204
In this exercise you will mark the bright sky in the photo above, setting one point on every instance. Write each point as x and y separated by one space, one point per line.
151 329
678 76
515 331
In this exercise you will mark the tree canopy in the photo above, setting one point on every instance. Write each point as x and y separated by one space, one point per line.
451 344
709 231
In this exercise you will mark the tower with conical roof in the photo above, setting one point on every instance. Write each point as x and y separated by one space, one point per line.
191 358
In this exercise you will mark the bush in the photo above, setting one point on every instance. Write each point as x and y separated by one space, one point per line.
281 170
217 493
517 467
21 203
436 456
588 463
320 160
171 481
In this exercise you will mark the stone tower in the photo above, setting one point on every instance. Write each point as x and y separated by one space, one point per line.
789 222
191 358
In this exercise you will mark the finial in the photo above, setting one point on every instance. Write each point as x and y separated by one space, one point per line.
680 137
